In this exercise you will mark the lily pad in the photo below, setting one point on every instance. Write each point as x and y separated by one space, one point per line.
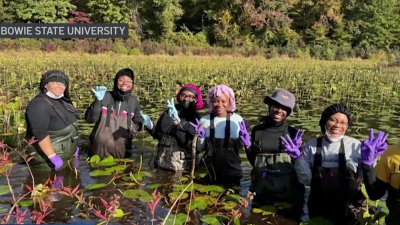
212 220
26 203
175 195
100 173
140 194
4 189
109 161
95 186
179 219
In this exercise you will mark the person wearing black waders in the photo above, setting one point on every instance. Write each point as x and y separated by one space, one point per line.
330 165
51 120
385 177
222 134
117 115
273 176
174 131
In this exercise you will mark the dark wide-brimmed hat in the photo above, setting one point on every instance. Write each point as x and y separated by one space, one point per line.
282 97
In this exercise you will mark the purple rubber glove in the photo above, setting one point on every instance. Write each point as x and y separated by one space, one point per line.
75 162
244 135
76 154
369 147
56 161
292 147
381 146
198 129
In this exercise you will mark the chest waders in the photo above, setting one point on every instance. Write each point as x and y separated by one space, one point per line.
393 203
113 135
332 189
170 156
222 156
64 142
274 179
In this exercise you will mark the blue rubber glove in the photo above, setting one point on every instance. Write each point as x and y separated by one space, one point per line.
292 147
147 121
244 135
172 112
56 161
370 149
99 92
198 129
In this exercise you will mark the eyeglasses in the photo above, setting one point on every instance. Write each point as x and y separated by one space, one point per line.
125 81
189 97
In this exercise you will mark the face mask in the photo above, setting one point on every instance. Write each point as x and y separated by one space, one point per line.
187 104
333 139
51 95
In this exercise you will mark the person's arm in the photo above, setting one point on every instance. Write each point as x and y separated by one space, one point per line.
303 166
137 119
255 146
93 112
46 146
164 125
375 187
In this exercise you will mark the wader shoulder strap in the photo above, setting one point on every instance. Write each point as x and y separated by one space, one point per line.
227 129
109 108
285 131
57 111
318 156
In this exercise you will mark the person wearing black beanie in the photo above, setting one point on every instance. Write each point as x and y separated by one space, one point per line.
112 135
51 122
329 164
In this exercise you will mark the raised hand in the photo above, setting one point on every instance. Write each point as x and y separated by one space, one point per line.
172 112
373 147
147 122
244 135
99 92
292 147
198 129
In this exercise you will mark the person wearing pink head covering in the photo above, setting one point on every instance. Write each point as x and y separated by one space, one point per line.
174 132
222 134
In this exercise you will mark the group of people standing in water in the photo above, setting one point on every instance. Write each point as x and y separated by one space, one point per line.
334 165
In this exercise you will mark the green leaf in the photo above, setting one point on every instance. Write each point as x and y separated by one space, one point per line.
4 189
109 161
140 194
119 213
26 203
117 168
236 221
95 186
208 219
175 195
179 219
229 205
153 186
100 173
94 160
202 202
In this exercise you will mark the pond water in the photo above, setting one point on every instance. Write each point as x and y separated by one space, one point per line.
374 103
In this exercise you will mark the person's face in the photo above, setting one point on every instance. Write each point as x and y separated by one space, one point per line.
187 96
56 88
220 105
125 83
278 113
337 124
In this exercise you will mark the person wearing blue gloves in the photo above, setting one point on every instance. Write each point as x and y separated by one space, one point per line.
117 117
222 134
52 121
174 131
273 177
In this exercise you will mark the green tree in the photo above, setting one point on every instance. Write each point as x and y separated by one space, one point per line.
373 22
40 11
109 11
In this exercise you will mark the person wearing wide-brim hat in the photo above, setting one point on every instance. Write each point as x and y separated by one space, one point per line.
51 121
273 176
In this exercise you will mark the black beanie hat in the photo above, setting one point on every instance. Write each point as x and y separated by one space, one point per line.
331 110
124 72
53 76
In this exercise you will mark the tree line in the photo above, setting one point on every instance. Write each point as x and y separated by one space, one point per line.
319 25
